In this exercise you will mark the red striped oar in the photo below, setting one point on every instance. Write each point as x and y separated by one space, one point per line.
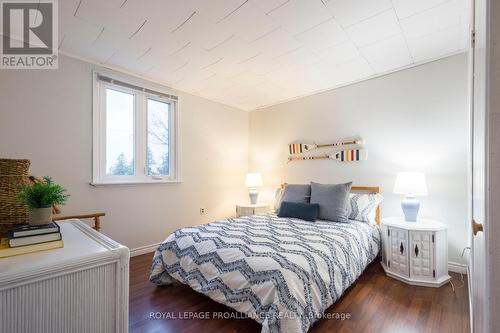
347 155
297 148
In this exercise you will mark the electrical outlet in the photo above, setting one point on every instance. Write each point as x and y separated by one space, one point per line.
203 211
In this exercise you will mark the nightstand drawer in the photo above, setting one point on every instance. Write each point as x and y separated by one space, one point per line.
422 255
398 251
246 210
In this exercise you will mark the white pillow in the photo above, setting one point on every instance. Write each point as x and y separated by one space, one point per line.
363 207
278 196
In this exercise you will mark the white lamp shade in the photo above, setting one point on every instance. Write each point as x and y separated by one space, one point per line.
253 179
412 183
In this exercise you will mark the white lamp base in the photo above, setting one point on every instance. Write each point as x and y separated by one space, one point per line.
252 192
410 206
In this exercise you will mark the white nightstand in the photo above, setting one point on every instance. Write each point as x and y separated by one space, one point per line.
249 209
415 252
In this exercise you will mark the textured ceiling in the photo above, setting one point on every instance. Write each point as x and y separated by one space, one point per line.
259 52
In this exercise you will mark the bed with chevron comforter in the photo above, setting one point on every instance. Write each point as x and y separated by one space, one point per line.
282 272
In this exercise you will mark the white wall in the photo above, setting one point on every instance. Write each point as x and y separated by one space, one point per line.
45 116
415 119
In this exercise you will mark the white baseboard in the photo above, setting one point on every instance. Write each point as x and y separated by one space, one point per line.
457 267
143 249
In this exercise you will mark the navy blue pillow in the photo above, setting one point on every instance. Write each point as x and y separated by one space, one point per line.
299 210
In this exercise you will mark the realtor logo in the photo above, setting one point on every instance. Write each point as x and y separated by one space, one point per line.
29 34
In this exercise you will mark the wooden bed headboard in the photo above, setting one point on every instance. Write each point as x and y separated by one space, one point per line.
361 189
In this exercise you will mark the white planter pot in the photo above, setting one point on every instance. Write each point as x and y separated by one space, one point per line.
39 216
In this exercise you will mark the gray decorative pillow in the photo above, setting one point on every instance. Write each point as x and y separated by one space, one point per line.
332 200
297 193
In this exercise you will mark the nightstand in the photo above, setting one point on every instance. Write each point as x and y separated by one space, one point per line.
415 252
249 209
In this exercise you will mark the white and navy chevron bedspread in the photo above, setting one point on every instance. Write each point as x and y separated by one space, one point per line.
282 272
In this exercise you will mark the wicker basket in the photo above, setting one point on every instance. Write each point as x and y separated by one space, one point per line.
12 174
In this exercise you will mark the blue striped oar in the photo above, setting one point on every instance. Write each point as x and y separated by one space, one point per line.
348 155
297 148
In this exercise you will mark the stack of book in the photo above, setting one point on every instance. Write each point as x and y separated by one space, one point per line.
27 238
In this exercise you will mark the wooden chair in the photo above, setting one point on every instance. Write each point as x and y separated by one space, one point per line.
95 216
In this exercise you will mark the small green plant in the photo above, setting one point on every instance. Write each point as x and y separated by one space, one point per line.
43 194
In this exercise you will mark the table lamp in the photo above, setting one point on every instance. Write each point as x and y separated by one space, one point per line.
410 184
253 180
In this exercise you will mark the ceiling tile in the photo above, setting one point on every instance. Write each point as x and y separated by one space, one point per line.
354 11
225 68
73 28
297 16
163 62
261 64
432 20
196 56
248 78
207 36
276 43
406 8
338 54
67 8
128 62
374 29
268 5
388 54
301 81
235 50
109 15
217 87
351 71
248 23
435 45
114 41
216 11
298 58
167 13
78 37
74 47
159 37
322 36
185 77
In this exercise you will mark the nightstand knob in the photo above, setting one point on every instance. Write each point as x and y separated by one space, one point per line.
416 250
401 248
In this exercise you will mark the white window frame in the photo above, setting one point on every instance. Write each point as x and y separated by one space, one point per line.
99 176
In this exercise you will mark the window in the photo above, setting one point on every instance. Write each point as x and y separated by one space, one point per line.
134 133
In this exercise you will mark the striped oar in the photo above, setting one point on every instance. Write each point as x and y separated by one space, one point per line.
297 148
347 155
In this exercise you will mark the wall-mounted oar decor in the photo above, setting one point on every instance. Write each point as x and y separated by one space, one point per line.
298 148
347 155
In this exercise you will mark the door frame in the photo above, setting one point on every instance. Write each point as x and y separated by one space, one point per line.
491 231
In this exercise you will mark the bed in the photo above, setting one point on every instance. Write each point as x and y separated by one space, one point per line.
282 272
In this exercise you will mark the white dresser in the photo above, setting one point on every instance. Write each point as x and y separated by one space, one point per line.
82 287
415 252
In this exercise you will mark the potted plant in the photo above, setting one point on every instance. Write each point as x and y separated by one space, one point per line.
40 197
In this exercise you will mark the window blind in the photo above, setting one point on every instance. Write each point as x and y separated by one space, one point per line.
134 87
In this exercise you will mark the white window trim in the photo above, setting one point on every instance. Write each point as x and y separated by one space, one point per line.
99 176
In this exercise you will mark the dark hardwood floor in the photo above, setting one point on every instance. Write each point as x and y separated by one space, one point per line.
375 303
